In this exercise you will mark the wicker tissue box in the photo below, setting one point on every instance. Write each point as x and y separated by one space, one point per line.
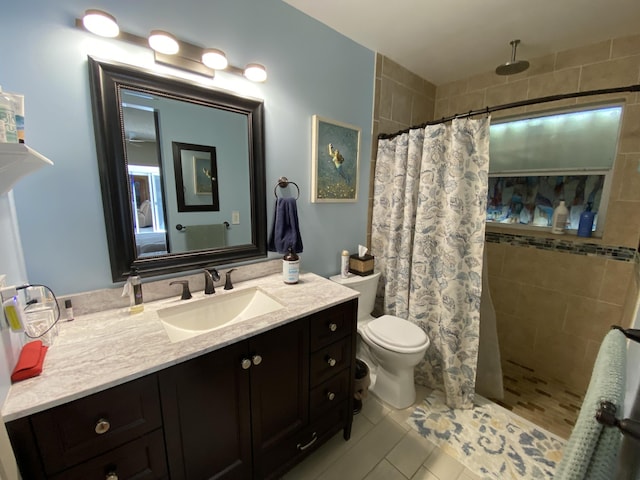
361 265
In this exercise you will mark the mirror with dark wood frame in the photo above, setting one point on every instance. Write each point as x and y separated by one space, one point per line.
140 119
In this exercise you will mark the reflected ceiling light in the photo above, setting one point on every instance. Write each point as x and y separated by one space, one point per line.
163 42
214 58
101 23
255 72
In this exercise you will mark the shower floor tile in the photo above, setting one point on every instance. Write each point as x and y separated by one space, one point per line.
543 401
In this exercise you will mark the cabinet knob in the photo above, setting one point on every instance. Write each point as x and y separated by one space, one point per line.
257 359
111 476
102 426
246 363
331 396
331 361
333 327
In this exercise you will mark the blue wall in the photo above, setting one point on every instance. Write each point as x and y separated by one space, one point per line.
312 70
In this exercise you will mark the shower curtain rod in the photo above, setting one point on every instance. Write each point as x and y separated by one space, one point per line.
521 103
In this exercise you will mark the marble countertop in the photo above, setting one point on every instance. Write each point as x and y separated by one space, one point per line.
104 349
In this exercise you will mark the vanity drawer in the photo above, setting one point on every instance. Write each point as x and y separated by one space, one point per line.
329 394
332 324
329 360
141 459
79 430
278 460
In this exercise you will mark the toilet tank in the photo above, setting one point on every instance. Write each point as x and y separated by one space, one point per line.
367 286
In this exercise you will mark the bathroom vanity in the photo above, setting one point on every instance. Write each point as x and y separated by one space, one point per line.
245 401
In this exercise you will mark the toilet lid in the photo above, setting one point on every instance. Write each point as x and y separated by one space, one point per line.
396 333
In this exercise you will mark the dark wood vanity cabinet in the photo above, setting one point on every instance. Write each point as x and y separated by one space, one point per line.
256 408
251 410
224 411
109 435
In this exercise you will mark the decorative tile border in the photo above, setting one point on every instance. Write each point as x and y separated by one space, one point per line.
623 254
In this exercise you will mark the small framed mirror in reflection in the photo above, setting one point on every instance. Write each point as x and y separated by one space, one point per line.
196 172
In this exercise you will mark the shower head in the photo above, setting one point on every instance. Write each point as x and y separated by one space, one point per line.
513 66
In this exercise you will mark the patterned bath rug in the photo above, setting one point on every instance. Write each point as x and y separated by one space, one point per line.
488 439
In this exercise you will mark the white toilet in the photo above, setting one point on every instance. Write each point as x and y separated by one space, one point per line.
389 345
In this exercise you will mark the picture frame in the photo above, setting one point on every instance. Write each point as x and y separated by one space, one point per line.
201 175
335 161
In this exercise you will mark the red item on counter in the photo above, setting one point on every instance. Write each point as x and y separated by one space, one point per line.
30 361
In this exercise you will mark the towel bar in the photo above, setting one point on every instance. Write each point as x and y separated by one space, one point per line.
630 333
606 415
284 182
182 228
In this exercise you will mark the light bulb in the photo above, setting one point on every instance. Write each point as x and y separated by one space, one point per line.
100 23
214 58
163 42
255 72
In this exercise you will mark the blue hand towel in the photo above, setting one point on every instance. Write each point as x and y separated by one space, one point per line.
285 231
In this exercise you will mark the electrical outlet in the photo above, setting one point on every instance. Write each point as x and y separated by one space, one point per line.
235 217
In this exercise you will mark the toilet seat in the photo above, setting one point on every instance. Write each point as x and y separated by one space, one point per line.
396 334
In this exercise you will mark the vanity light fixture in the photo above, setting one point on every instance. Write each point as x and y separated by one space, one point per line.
214 58
100 23
163 42
255 72
168 50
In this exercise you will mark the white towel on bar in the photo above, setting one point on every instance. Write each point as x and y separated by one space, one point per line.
202 237
592 449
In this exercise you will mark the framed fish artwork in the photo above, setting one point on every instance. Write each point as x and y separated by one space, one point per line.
336 161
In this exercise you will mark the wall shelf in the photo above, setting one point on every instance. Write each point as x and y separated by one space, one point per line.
16 161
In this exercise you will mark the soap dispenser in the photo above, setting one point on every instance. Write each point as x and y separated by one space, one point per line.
133 288
290 267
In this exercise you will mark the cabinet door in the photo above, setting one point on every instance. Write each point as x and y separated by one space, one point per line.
205 403
279 390
78 430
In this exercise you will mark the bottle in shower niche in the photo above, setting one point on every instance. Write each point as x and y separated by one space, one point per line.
290 267
559 219
585 227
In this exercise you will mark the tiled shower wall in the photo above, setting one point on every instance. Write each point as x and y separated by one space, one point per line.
553 306
402 99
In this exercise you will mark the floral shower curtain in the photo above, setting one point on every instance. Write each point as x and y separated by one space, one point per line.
429 209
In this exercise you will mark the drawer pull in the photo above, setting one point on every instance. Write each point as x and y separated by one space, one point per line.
331 396
246 363
314 437
111 476
331 361
257 359
102 426
333 327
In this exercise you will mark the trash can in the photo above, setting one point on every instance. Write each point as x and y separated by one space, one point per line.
361 385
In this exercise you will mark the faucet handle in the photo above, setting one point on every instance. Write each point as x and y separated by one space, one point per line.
210 275
186 293
227 283
214 273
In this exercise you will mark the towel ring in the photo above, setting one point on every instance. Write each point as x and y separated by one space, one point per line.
284 182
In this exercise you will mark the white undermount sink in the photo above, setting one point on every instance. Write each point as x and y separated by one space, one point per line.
189 319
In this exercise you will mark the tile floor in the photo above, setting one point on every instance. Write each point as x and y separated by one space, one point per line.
541 400
382 447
